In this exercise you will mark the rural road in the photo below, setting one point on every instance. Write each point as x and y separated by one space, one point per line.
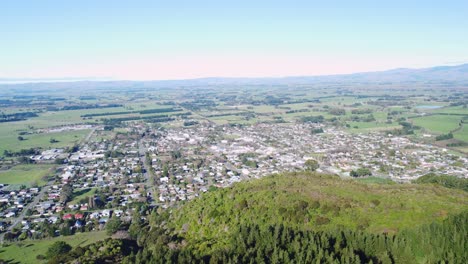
86 139
147 172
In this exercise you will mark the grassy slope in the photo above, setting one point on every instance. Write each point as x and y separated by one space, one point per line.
375 180
26 251
292 199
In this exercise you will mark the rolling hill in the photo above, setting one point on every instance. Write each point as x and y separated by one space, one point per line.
305 217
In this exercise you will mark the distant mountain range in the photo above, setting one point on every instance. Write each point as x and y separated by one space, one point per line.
458 73
439 73
400 75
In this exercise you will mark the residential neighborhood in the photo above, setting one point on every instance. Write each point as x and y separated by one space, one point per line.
155 166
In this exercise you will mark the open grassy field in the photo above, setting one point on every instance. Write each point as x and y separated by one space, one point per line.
25 174
440 124
26 251
144 105
452 110
297 106
80 194
292 117
232 119
10 141
358 127
9 132
462 134
136 116
57 118
339 100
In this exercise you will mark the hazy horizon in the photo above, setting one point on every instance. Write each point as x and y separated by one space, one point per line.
104 79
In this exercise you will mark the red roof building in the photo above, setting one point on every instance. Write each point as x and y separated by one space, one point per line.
79 216
67 217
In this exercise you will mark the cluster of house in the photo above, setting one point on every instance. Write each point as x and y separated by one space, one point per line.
65 128
389 156
97 219
13 202
120 180
50 155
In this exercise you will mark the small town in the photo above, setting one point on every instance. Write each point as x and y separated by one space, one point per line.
153 167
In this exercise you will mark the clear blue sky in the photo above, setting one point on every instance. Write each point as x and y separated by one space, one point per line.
185 39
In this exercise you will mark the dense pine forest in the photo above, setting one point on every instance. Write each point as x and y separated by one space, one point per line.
297 218
252 243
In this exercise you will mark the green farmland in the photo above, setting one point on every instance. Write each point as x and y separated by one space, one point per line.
440 124
41 140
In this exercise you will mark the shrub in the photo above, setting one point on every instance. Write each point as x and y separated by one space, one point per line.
322 220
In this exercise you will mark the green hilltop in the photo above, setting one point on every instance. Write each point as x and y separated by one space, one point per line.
316 202
307 217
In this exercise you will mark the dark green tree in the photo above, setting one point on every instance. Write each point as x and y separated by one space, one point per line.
58 248
113 225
